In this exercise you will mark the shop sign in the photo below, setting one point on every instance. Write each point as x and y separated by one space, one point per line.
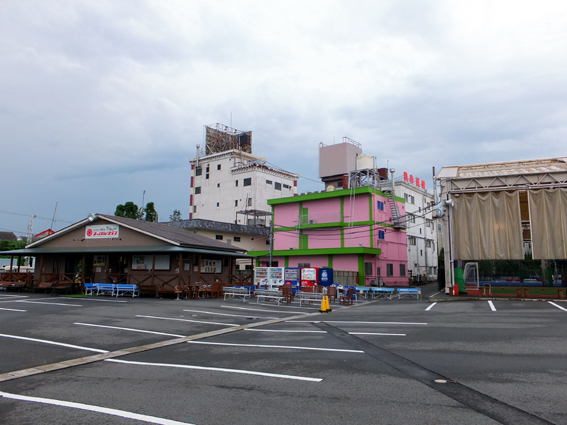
102 231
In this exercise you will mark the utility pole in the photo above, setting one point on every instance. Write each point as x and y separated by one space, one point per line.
30 237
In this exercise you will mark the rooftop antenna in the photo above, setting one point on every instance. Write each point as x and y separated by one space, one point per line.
54 221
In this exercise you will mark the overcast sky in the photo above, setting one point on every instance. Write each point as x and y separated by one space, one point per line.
101 100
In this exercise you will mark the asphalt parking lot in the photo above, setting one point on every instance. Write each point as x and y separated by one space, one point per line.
126 361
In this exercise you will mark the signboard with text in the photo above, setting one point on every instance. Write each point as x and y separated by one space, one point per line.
102 231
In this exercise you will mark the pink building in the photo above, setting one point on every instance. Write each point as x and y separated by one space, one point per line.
349 229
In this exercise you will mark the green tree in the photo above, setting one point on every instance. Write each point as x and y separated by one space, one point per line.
151 213
176 216
128 210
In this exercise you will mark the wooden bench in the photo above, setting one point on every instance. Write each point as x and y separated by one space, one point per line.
169 288
124 289
269 295
309 297
409 293
236 291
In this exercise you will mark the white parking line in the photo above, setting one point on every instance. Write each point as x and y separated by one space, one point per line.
128 329
91 408
226 314
44 341
290 347
430 307
285 330
371 333
217 369
185 320
558 306
11 309
39 302
355 322
491 306
268 311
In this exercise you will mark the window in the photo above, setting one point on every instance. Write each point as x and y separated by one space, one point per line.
248 181
236 203
406 197
237 239
218 167
377 271
412 240
218 184
402 269
278 186
303 264
389 270
208 167
368 269
249 202
268 242
218 204
432 226
286 186
428 244
268 182
207 176
218 237
197 190
381 234
236 183
195 209
411 218
198 171
412 199
427 223
380 205
340 184
421 252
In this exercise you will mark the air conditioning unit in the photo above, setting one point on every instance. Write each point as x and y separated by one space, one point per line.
312 222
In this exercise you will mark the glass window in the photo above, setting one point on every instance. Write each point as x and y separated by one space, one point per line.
286 186
380 205
249 202
248 181
367 269
218 167
381 234
236 183
197 190
236 203
278 186
218 237
389 270
237 239
402 269
303 264
198 171
268 182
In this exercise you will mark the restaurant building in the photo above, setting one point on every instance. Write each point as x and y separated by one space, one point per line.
109 249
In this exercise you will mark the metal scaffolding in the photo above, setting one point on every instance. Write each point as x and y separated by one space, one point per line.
221 138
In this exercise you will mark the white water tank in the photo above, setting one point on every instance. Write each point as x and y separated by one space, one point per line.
364 162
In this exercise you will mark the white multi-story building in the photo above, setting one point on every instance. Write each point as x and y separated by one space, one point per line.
233 185
421 229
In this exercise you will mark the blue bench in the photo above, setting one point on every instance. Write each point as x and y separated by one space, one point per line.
386 293
105 288
409 293
124 289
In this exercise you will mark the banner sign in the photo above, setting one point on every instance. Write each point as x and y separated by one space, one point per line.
102 231
211 266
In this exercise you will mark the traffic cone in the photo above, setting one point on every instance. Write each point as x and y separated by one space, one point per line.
325 307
